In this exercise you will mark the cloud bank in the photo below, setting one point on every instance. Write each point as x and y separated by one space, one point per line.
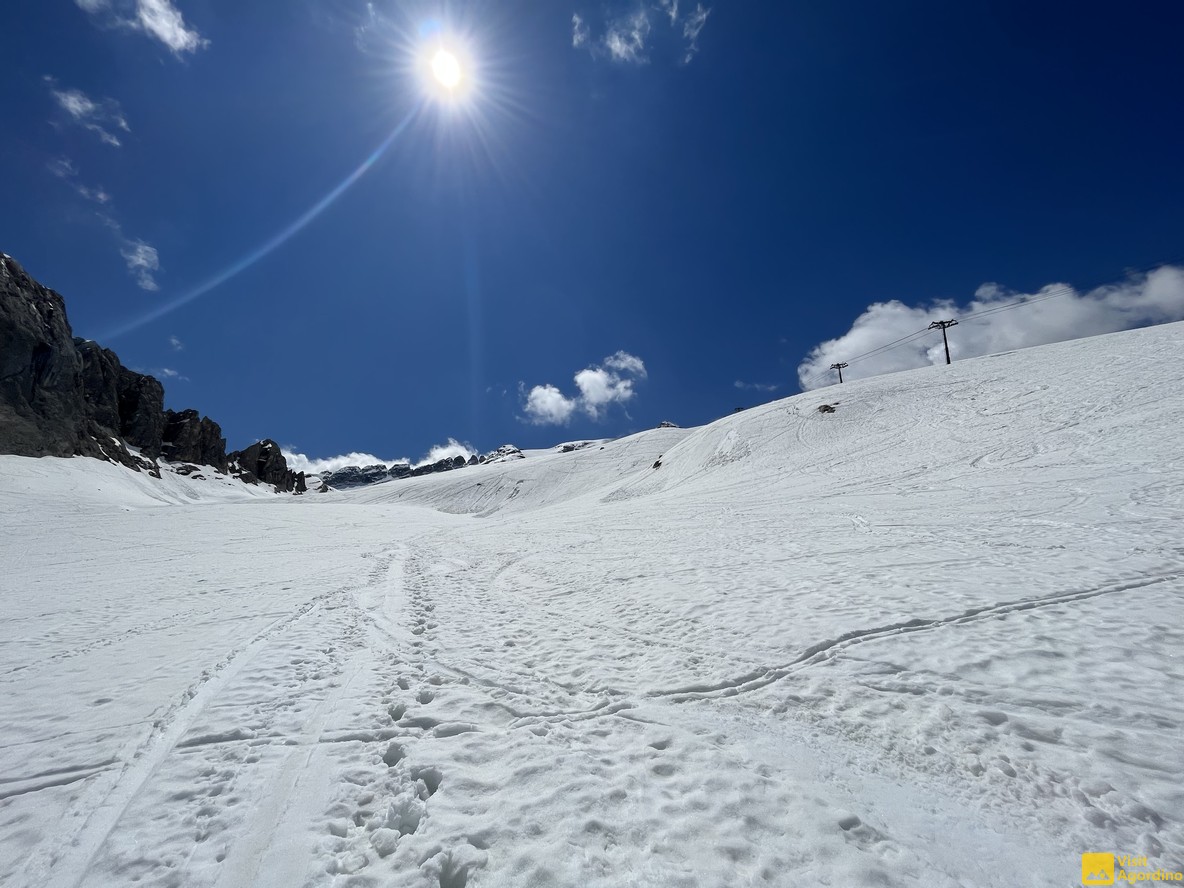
300 462
1004 320
600 386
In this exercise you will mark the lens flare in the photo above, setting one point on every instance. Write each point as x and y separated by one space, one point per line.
270 246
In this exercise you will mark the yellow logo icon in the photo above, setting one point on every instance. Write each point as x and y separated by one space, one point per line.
1097 869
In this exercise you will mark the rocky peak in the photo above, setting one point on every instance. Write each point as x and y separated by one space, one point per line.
264 461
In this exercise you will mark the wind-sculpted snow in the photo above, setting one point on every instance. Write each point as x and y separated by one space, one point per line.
931 638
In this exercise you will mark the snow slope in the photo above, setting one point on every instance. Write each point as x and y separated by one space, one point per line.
931 638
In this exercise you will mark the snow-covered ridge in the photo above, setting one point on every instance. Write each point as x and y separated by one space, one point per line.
929 638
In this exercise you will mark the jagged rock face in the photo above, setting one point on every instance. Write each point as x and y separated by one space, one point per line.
127 404
61 396
189 437
265 461
358 476
100 383
41 405
446 464
141 411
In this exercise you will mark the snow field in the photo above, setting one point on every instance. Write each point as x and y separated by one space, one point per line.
931 638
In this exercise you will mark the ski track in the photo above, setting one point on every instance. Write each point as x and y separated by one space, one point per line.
64 866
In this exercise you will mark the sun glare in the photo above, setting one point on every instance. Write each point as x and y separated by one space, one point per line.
446 69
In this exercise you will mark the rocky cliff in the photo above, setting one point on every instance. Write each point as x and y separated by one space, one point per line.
264 462
61 396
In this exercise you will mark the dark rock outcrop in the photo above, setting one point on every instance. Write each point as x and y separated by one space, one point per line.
358 476
190 437
122 401
61 396
41 402
264 461
447 464
141 411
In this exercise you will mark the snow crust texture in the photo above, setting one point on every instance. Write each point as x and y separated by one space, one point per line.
933 637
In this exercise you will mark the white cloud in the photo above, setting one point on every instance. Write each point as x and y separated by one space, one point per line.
599 387
632 38
142 261
611 382
75 103
1055 313
62 167
626 38
162 20
159 19
100 117
626 363
546 405
176 344
756 386
98 195
162 372
451 450
690 30
579 31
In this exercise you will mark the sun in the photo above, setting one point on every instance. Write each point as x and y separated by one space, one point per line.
447 70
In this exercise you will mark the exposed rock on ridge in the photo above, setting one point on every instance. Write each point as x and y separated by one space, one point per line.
360 476
264 461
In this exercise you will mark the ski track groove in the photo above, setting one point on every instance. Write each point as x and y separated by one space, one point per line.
825 650
65 864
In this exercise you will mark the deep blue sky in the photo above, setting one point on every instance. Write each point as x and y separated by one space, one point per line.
715 207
